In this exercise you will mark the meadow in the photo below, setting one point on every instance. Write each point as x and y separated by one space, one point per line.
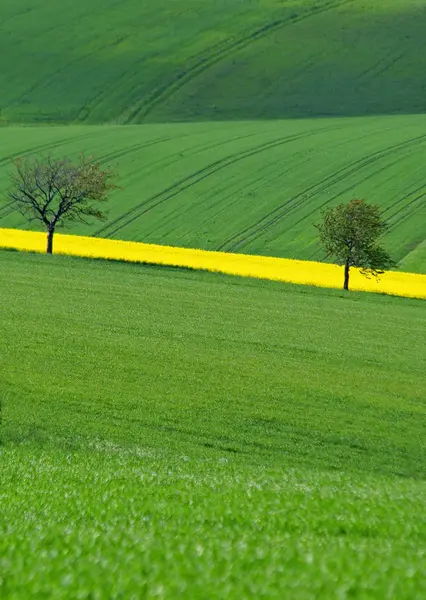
170 433
245 187
197 60
207 436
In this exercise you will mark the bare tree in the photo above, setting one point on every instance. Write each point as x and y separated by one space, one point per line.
54 191
350 233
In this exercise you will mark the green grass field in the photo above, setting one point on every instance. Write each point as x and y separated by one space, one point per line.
175 434
240 152
168 432
252 187
161 61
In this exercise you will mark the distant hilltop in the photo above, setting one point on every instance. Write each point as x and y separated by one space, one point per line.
157 61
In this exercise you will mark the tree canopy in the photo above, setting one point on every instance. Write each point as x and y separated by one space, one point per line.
350 234
54 191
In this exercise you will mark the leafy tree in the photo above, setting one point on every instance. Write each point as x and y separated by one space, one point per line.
350 233
54 191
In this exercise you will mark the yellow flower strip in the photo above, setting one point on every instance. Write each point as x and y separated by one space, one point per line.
263 267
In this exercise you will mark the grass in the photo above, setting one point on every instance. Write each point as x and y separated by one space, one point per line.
207 436
253 187
169 433
130 525
157 61
241 146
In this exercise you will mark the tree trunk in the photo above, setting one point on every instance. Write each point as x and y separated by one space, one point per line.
346 282
50 233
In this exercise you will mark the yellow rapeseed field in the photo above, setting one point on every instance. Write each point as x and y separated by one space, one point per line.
263 267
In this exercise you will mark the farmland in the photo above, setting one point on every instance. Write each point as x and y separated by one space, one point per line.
285 436
194 60
255 113
251 187
397 283
170 433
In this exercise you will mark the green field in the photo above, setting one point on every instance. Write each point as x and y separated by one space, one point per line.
252 187
240 146
168 432
105 61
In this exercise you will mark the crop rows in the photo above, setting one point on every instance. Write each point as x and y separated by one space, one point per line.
256 188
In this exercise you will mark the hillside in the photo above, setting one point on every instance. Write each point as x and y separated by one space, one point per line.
240 148
190 60
253 187
232 382
172 433
201 431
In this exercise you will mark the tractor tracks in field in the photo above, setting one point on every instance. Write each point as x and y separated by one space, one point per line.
184 184
8 208
400 212
384 64
342 192
251 233
215 54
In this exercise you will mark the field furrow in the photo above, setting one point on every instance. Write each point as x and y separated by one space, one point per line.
250 187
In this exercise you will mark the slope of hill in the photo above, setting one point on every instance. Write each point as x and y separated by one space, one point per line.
179 434
253 187
152 350
184 434
161 61
230 379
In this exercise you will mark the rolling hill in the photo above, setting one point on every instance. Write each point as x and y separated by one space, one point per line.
251 187
231 382
190 60
184 433
240 147
181 434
